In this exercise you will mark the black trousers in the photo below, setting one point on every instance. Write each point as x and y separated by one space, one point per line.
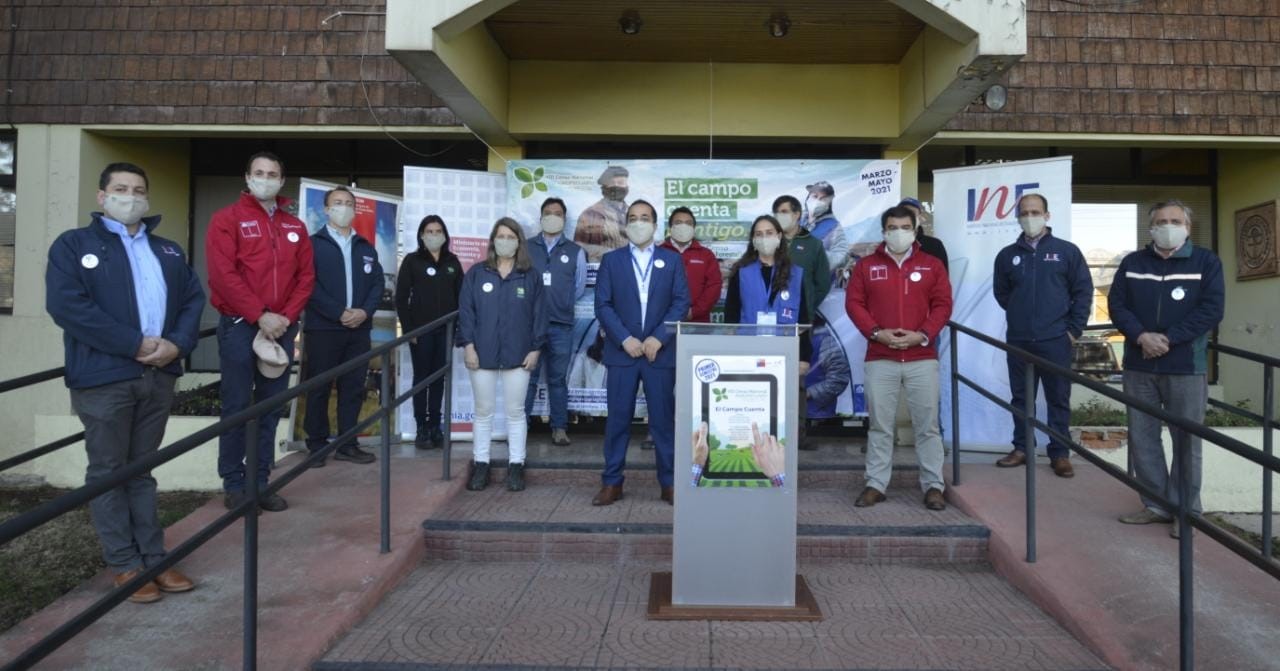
326 350
428 356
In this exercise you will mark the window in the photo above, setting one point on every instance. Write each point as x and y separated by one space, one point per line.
8 218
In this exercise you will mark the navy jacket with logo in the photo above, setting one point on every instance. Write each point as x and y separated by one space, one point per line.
504 318
1182 297
329 297
1046 291
562 262
89 292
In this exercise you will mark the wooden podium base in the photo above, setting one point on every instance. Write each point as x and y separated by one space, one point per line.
661 608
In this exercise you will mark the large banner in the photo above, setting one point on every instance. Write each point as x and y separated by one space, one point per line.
974 213
725 197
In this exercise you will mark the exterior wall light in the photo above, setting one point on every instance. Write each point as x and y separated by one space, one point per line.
630 22
779 25
995 97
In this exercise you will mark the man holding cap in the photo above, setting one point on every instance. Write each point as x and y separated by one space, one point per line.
928 244
260 277
822 222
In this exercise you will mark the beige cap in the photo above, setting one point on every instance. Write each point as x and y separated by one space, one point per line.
272 359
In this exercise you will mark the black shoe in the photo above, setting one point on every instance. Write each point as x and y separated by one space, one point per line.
318 463
422 438
273 503
479 476
648 444
515 477
233 499
437 438
353 454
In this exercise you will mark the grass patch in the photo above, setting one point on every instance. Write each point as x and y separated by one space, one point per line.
1253 539
1096 413
51 560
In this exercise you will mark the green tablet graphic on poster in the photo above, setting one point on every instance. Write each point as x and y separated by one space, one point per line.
737 422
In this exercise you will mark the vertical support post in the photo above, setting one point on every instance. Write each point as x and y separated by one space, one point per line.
1186 615
250 661
1029 429
384 455
448 401
955 409
1268 416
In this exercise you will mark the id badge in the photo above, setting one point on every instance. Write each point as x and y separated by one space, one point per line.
766 319
546 279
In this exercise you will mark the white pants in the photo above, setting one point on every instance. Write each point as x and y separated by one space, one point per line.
484 390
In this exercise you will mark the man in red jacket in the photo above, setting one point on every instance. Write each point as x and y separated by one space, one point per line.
260 278
900 298
701 268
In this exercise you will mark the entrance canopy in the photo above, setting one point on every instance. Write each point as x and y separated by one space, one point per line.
887 72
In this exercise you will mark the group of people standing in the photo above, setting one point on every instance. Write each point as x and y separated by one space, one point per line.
129 305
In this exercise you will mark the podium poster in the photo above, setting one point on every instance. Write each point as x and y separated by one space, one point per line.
738 399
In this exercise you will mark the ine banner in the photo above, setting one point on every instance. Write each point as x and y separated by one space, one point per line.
974 213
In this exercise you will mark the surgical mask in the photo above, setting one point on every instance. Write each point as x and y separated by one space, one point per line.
615 192
341 215
434 242
505 247
787 220
766 246
263 188
682 233
1031 226
552 224
818 206
640 232
127 210
1169 236
899 240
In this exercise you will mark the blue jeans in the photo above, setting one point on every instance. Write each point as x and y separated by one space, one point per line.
1057 392
242 385
555 361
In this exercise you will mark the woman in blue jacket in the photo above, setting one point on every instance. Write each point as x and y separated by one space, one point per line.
501 327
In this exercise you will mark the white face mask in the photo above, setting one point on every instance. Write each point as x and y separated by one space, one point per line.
505 247
787 220
682 233
552 224
127 210
1169 236
818 206
640 232
766 246
341 216
899 240
433 241
1032 227
263 188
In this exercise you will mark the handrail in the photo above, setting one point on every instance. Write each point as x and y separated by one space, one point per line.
55 373
20 524
1185 518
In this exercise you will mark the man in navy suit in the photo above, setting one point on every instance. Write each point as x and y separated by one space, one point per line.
639 288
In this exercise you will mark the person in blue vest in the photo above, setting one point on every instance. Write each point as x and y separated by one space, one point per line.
765 287
639 288
502 326
1043 284
338 323
561 265
129 308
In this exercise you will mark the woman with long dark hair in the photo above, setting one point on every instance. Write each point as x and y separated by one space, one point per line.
427 288
502 325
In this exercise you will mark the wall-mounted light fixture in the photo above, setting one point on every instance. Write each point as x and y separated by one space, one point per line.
630 22
995 97
779 25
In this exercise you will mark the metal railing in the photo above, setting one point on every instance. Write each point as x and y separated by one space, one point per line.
1185 517
249 418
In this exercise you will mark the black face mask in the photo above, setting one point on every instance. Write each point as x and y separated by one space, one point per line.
614 192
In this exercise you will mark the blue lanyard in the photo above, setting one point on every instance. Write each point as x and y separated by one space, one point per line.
644 272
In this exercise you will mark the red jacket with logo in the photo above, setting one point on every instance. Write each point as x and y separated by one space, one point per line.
258 263
915 296
702 270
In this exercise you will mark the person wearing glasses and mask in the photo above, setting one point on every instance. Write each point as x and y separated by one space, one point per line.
561 265
639 289
502 325
427 289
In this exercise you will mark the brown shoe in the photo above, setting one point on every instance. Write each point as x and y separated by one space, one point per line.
1014 458
668 495
933 500
607 495
148 593
173 581
1062 467
869 497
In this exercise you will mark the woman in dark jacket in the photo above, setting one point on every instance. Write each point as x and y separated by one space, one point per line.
502 325
426 289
